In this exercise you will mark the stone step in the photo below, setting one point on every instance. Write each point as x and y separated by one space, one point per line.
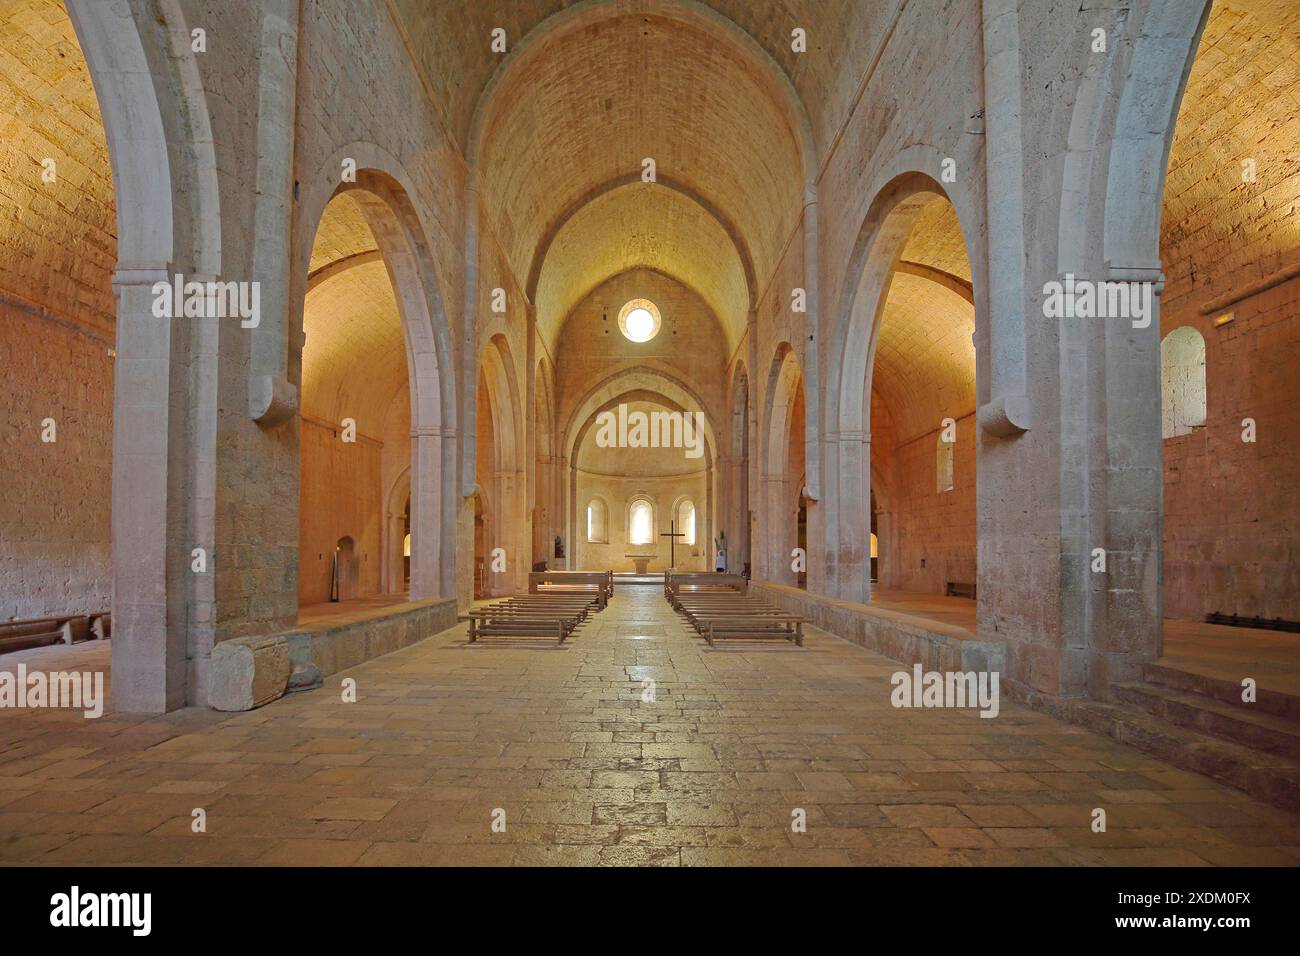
1268 701
1234 723
1268 777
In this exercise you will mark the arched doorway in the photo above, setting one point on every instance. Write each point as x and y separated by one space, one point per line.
343 571
127 197
354 430
375 342
905 397
501 468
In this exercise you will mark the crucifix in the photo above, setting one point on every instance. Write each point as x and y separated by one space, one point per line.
672 534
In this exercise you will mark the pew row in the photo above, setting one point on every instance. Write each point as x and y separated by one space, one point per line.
723 614
43 631
598 583
702 582
546 615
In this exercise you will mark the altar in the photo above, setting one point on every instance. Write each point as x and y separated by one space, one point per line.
639 561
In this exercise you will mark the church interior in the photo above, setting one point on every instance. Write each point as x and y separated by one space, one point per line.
551 432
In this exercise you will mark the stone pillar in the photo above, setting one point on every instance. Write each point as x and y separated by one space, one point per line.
780 532
469 342
532 508
571 545
557 506
426 512
151 549
810 351
1006 412
272 399
451 505
852 454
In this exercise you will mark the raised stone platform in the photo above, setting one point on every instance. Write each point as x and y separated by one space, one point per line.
898 628
252 671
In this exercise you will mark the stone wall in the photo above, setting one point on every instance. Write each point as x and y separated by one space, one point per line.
341 496
617 493
900 637
1231 511
58 247
253 671
918 523
55 505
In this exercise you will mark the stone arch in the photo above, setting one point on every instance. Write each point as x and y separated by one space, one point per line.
558 223
382 190
498 367
692 12
1161 61
901 189
172 218
1121 129
875 260
635 384
876 257
508 481
785 388
663 386
160 144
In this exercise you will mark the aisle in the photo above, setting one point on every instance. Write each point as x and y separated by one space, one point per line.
632 744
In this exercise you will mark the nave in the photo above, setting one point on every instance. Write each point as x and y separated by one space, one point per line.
589 772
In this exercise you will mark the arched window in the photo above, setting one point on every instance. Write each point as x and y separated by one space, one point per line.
686 520
943 464
597 522
1182 382
641 522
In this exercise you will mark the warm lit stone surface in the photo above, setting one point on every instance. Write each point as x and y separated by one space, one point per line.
588 773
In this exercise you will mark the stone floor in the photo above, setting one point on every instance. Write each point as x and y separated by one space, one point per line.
1230 653
342 612
957 612
559 743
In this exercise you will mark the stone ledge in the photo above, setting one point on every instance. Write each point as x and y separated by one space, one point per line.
903 637
249 672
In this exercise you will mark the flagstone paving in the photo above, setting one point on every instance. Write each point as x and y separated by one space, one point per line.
585 761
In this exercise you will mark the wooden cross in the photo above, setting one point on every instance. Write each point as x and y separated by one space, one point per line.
672 534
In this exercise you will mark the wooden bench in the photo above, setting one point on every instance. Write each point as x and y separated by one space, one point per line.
43 631
600 583
786 627
542 615
679 582
577 604
719 614
492 626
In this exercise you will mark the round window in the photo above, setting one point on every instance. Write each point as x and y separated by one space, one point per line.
639 320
